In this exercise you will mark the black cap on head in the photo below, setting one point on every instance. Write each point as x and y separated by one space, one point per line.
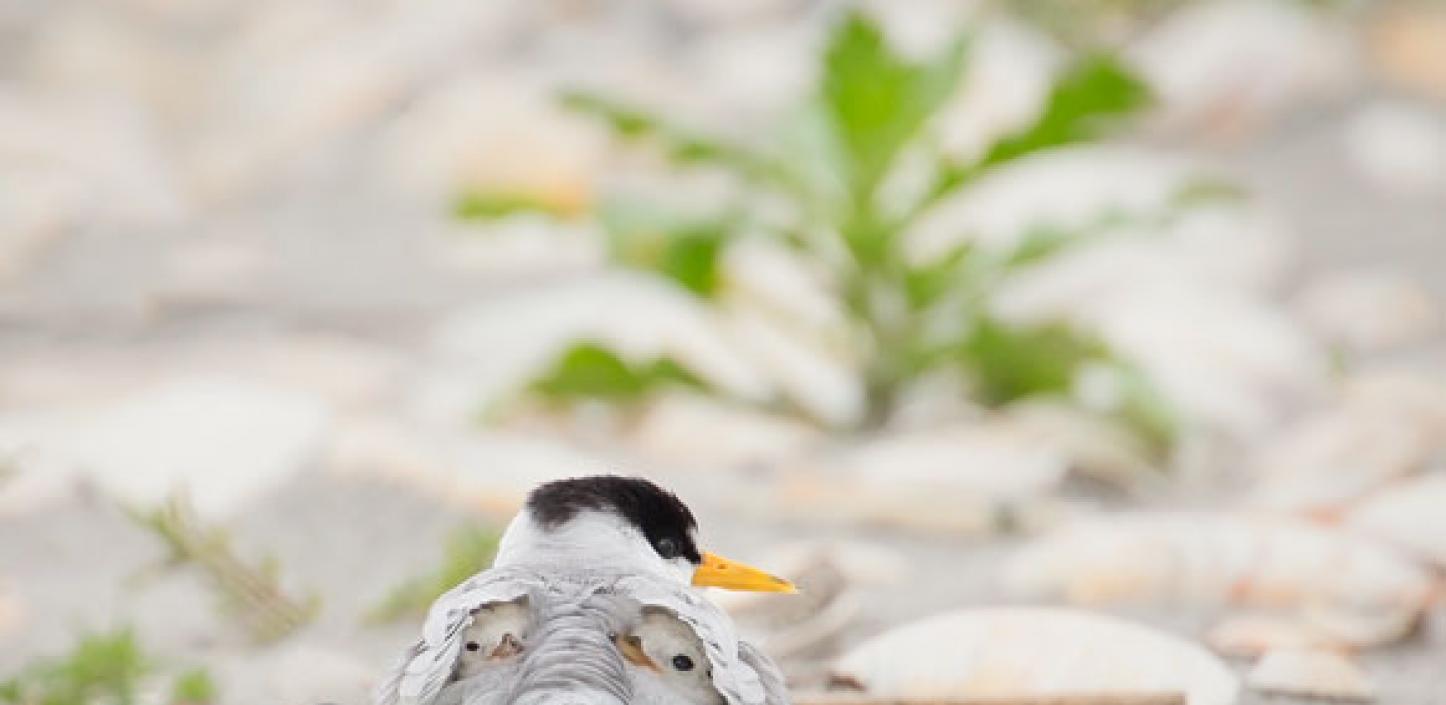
662 517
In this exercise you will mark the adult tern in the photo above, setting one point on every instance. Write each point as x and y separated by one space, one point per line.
590 601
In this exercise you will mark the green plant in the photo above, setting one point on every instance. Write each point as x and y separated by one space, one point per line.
827 188
252 593
194 687
469 549
101 669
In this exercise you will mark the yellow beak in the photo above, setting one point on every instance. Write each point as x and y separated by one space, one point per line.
720 572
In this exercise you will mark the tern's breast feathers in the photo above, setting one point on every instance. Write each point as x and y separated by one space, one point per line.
571 648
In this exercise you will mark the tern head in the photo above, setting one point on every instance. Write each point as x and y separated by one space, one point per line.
622 523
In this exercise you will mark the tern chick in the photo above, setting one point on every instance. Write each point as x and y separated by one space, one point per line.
668 660
495 637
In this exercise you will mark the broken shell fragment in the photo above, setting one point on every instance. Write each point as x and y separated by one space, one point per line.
1311 673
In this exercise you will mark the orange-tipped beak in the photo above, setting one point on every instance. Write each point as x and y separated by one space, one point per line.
720 572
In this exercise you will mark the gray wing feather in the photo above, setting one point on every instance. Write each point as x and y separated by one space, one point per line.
738 681
428 665
774 686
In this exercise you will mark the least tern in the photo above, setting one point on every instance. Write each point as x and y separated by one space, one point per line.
577 605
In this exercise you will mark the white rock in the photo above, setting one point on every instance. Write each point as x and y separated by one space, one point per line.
1398 148
1369 311
1410 514
1205 558
1311 673
1004 652
221 441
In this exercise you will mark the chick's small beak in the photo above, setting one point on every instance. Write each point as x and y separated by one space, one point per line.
717 571
632 650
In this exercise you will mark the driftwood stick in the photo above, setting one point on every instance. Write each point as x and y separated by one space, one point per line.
1081 699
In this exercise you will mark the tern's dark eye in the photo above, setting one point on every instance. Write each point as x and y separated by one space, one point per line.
668 548
682 662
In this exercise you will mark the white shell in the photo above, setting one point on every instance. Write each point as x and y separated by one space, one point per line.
1385 424
1319 674
1255 634
1034 651
1214 558
1369 310
1410 514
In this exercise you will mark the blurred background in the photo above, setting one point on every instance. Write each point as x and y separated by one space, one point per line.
1123 313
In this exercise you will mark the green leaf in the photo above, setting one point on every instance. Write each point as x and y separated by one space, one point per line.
1041 243
1206 191
680 145
101 668
495 205
1087 101
590 371
877 100
1146 411
1012 362
691 257
927 283
684 250
469 549
1094 96
194 687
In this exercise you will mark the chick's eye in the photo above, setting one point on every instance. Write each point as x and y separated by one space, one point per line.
668 548
682 662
